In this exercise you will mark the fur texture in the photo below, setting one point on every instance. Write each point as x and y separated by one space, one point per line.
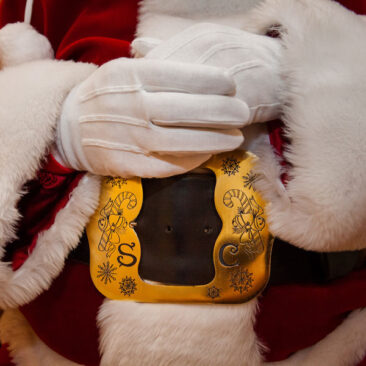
178 334
26 349
30 104
196 9
21 43
321 65
162 19
325 117
47 259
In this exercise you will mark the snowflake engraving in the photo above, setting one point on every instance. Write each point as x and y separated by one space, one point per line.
230 166
128 286
213 292
116 181
107 272
242 280
249 180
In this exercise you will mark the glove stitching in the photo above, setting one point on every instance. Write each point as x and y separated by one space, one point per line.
200 123
243 66
195 37
131 89
111 90
220 47
113 146
110 118
265 105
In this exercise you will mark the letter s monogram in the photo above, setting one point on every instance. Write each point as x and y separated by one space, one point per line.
120 258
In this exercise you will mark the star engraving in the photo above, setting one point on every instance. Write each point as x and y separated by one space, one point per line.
128 286
230 166
242 280
213 292
107 272
249 179
116 181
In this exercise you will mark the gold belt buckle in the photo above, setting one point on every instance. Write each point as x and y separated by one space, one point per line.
241 253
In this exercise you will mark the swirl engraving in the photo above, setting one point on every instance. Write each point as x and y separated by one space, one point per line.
112 220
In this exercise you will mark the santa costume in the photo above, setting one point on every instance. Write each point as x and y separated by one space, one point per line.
312 168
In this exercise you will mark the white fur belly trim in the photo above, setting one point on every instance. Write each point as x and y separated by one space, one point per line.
177 334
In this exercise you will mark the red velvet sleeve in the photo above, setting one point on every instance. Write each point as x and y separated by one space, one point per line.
82 30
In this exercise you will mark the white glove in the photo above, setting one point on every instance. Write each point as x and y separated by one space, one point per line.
253 61
148 118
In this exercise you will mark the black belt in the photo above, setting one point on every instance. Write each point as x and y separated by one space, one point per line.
178 226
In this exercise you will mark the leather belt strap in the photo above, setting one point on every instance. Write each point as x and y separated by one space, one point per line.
294 265
289 265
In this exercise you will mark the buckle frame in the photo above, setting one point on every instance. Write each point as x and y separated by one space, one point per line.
241 254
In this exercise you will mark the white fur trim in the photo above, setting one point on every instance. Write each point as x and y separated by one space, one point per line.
26 349
162 19
325 116
196 9
345 346
53 245
21 43
31 96
178 334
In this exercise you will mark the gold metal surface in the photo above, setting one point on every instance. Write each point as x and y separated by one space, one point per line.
241 254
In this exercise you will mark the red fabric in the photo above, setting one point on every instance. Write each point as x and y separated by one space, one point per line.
47 195
293 317
4 357
358 6
290 317
279 142
83 30
64 317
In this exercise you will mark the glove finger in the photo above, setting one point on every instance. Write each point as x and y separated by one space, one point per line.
155 139
187 46
184 141
141 46
185 78
128 164
156 76
189 110
162 140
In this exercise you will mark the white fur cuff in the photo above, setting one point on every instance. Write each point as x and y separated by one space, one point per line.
323 206
31 96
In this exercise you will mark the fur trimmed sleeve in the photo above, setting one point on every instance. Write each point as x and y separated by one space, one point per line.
31 96
323 206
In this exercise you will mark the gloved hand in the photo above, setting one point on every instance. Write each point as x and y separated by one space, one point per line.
253 61
149 118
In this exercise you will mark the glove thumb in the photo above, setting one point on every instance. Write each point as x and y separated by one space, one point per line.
141 46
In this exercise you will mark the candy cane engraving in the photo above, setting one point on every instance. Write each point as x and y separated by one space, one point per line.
247 223
112 220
